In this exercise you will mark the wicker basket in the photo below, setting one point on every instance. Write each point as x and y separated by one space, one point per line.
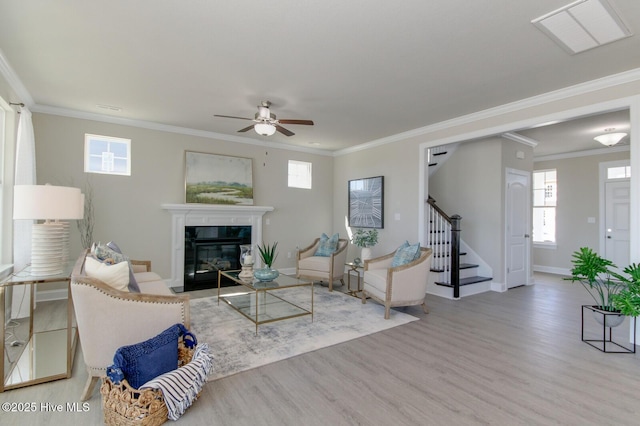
123 405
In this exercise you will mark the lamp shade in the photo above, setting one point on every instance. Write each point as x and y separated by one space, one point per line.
265 129
47 202
610 139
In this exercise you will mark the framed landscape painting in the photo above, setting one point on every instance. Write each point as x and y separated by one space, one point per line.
218 179
366 202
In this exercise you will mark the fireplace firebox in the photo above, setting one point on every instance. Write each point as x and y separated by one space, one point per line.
209 249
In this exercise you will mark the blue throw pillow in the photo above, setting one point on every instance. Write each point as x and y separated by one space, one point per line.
406 253
327 245
147 360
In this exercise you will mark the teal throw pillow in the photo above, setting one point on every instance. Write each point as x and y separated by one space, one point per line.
327 246
406 253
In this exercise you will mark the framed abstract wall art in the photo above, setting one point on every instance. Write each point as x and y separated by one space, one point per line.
218 179
366 202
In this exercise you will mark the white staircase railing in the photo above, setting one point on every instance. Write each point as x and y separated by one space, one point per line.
439 232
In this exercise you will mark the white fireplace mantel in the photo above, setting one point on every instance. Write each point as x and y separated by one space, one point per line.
208 215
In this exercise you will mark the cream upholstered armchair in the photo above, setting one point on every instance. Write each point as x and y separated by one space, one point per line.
108 318
404 285
322 268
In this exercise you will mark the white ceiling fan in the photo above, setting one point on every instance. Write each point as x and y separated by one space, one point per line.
266 123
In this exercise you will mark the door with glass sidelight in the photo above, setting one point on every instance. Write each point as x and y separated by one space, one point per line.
616 220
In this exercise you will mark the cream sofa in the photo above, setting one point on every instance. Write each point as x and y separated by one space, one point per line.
108 318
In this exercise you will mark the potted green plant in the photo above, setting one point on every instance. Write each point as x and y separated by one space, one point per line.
627 301
365 239
598 276
268 255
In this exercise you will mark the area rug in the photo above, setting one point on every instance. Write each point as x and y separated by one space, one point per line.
236 347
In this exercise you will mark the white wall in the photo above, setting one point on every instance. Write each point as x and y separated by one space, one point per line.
128 209
398 158
472 184
578 199
397 163
158 175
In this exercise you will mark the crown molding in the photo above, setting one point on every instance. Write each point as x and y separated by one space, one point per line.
587 153
579 89
14 82
534 101
520 139
150 125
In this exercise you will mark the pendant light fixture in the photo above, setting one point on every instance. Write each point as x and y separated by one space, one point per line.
609 138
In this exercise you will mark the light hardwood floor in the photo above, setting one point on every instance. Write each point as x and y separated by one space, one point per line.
496 358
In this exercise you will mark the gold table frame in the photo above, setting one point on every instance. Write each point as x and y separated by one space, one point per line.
274 308
354 268
29 350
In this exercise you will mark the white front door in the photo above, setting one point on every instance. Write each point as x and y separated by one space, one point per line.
616 222
518 224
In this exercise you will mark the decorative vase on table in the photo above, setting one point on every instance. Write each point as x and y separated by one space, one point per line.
366 253
266 274
365 239
246 260
268 255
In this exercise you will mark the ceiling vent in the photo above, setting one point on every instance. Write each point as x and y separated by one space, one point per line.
583 25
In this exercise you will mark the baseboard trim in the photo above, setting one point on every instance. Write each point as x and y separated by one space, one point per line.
551 270
51 295
287 271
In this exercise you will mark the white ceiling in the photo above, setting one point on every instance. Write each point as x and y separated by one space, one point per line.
577 135
362 70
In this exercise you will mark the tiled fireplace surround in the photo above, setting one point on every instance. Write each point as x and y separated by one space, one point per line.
207 215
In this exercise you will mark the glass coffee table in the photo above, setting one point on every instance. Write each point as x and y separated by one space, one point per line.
260 303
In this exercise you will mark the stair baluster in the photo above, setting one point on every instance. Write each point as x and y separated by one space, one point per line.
444 239
455 254
439 231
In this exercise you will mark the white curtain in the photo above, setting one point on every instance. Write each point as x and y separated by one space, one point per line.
25 169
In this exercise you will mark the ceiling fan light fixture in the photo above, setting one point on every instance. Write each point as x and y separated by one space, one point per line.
264 129
610 139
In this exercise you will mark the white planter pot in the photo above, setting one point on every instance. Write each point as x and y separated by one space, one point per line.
366 253
607 318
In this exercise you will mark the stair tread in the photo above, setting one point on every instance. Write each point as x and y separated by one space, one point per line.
446 254
467 281
462 266
468 265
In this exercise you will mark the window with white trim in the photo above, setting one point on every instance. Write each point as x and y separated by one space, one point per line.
299 174
619 172
545 189
107 155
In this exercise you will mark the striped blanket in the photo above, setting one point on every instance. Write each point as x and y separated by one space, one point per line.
181 387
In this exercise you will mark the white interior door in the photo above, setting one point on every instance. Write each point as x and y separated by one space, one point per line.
518 227
616 221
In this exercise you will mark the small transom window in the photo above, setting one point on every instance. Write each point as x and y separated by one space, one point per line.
299 174
107 155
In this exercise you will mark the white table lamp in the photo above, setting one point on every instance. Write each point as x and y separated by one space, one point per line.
49 240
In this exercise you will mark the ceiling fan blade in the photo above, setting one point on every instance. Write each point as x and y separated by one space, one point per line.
245 129
307 122
284 131
231 116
